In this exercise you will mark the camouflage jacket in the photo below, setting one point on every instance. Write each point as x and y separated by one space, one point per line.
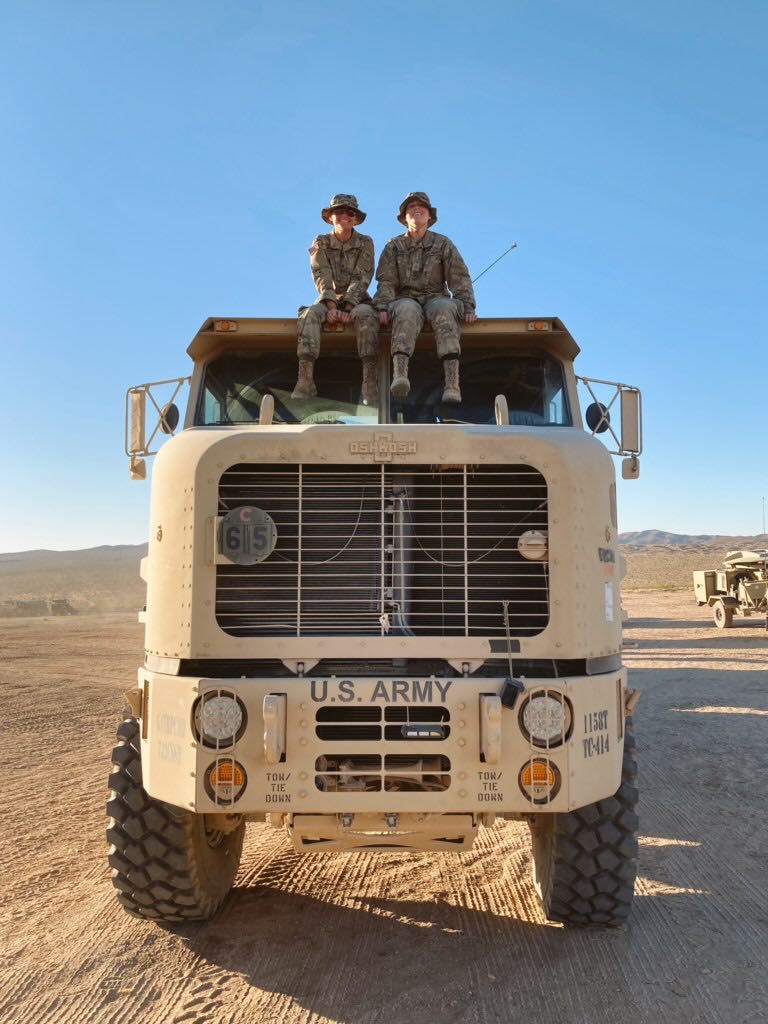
421 269
342 270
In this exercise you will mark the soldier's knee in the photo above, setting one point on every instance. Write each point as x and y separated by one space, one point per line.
442 310
406 314
364 314
403 307
313 315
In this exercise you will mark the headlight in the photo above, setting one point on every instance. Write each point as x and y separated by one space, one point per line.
545 718
219 719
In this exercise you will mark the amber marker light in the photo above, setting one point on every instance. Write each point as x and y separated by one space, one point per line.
225 780
539 325
225 325
225 773
539 780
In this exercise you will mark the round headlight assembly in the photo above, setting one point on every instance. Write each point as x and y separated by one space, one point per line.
546 718
220 719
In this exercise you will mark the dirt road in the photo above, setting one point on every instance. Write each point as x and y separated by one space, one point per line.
396 938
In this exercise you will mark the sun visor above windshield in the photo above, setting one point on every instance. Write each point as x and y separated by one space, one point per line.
218 335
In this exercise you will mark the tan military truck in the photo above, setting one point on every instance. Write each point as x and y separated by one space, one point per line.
379 628
739 588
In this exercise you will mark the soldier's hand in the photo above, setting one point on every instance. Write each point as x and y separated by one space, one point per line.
332 315
383 317
470 318
344 316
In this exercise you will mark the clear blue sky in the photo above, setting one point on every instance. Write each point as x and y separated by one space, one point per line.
164 162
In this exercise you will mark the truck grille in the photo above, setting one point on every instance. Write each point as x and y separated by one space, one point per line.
376 550
391 722
402 773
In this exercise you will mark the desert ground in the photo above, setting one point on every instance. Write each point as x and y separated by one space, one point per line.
395 938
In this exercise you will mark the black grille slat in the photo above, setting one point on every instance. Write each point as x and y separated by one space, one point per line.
372 722
433 551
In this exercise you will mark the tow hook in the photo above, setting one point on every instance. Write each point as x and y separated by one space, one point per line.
631 700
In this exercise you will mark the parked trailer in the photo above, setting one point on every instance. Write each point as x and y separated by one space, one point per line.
739 588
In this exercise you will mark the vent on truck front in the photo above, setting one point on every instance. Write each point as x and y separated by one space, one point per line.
376 723
394 773
376 550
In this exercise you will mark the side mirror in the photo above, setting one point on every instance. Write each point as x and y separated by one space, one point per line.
138 445
137 411
631 422
598 418
169 418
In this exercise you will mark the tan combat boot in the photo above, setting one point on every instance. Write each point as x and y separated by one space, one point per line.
305 385
451 392
401 386
370 382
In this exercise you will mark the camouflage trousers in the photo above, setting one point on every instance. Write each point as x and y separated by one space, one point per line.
408 319
312 318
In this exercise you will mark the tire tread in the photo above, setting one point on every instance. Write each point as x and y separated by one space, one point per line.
590 878
151 851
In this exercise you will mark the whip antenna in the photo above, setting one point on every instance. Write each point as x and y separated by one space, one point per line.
513 246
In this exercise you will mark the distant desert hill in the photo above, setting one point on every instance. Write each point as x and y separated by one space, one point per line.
699 539
660 560
106 579
103 579
663 537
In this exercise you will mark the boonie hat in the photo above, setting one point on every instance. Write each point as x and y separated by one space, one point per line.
343 200
422 198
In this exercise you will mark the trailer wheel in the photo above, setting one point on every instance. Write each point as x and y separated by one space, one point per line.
585 862
723 615
167 863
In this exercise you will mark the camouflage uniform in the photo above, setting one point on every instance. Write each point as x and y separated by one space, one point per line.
342 273
418 278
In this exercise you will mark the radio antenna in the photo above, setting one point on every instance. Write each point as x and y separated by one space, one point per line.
513 246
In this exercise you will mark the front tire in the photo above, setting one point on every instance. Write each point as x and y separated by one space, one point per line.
585 862
167 863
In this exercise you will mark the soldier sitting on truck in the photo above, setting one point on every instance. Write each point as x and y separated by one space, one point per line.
421 274
342 266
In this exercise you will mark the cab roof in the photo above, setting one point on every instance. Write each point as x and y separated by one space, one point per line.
219 334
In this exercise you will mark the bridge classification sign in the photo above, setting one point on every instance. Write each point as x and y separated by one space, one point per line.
247 535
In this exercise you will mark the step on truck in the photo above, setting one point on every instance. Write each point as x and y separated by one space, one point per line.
379 627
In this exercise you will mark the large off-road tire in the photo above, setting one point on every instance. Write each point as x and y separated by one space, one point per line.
585 862
167 864
723 615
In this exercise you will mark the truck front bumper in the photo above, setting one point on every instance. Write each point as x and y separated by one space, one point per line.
333 746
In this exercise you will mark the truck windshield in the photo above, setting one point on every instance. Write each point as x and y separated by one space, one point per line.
234 385
531 382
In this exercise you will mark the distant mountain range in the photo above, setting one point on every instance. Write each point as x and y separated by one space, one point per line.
719 540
